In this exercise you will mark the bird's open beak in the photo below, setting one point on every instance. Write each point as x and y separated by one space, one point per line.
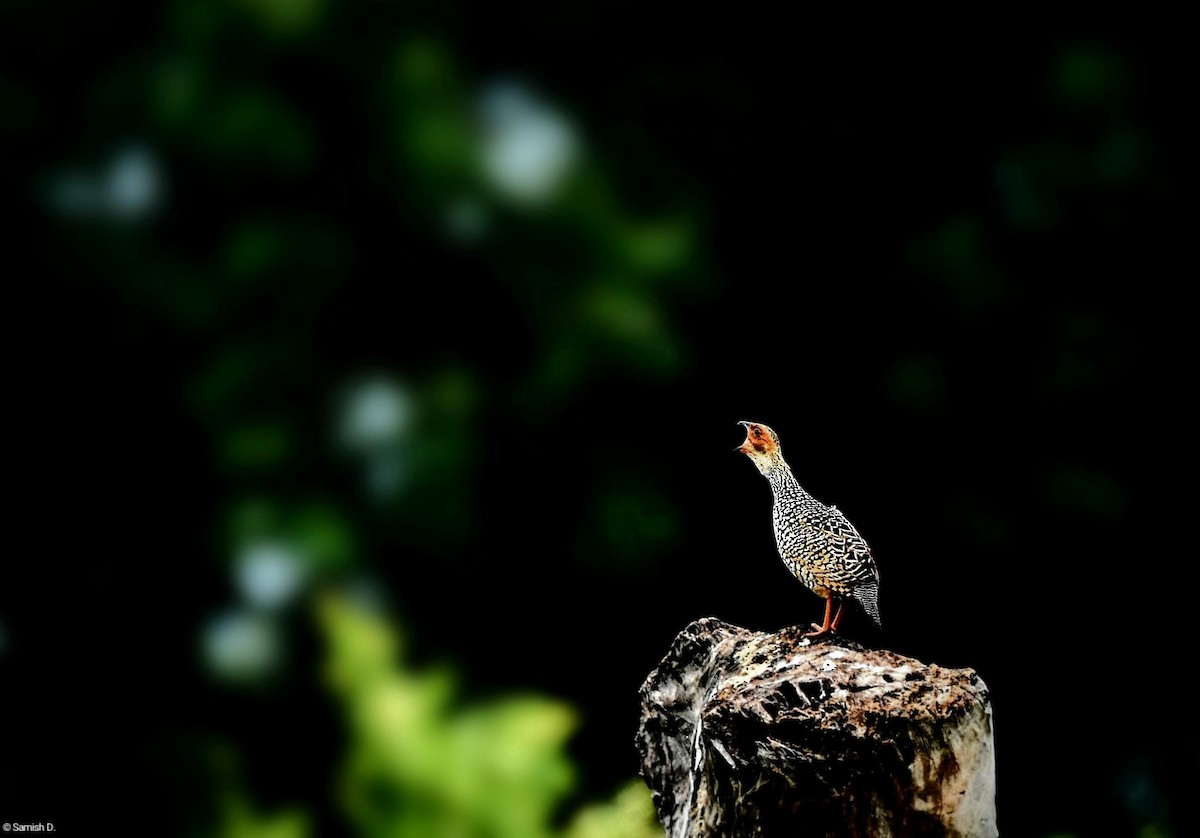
745 446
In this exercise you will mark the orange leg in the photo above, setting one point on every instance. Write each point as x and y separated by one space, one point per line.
825 627
837 619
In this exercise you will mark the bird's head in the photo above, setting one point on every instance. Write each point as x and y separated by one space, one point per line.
761 446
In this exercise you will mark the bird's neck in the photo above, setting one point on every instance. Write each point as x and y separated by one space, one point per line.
782 481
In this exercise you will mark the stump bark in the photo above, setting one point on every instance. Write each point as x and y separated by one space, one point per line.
747 733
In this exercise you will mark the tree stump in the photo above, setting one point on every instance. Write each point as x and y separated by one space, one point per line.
747 733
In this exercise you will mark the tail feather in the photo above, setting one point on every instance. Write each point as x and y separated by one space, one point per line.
868 597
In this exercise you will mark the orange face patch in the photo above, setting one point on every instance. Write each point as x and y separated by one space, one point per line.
758 438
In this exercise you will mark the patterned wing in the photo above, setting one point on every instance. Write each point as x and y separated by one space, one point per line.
857 564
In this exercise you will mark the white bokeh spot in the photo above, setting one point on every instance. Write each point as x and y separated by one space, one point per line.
529 148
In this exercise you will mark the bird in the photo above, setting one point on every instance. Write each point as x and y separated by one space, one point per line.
818 543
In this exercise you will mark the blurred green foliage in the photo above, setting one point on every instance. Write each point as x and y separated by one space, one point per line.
238 252
419 763
238 819
417 767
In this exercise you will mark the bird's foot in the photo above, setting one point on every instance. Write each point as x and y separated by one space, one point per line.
818 630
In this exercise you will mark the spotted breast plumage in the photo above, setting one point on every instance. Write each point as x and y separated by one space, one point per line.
818 543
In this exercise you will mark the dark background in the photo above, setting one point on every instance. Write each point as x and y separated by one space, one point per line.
942 259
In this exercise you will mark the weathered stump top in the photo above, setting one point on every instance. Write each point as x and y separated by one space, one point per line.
749 733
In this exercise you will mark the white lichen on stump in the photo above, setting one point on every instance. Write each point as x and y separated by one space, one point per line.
747 733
